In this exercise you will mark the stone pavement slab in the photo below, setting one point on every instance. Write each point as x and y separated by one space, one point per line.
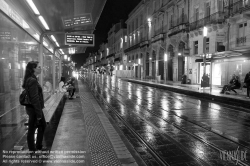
84 127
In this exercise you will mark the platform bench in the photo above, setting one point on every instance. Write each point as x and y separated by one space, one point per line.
52 104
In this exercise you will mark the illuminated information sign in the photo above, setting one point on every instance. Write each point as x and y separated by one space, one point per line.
80 20
80 39
5 35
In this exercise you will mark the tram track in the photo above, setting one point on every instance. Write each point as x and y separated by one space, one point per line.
180 128
206 127
225 106
153 152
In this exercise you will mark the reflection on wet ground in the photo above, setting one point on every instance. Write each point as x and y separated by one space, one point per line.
181 128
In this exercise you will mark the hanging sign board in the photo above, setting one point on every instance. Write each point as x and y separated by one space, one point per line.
80 39
220 37
79 20
5 35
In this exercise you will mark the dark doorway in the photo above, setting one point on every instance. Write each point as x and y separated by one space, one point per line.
147 69
170 69
153 69
161 69
136 71
170 62
147 64
161 63
181 60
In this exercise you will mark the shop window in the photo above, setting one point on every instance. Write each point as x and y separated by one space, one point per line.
195 47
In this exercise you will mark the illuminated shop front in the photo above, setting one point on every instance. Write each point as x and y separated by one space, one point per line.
223 69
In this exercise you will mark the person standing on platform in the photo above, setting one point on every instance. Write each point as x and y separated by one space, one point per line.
35 110
247 83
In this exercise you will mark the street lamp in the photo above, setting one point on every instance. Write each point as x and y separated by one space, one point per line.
165 57
65 57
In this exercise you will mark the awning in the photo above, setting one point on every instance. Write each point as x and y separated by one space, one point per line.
201 60
227 54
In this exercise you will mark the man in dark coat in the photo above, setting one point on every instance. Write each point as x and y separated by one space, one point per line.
247 83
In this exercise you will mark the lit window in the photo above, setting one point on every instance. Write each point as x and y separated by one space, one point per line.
126 38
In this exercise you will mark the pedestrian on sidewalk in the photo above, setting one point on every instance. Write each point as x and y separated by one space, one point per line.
247 83
233 84
34 111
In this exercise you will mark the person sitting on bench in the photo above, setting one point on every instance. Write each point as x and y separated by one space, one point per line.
233 84
71 87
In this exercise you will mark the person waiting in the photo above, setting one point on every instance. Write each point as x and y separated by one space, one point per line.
71 87
233 84
247 83
62 87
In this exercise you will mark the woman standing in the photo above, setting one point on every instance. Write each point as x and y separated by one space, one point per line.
34 111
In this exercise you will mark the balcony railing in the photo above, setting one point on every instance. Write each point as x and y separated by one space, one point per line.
216 18
157 37
236 7
144 43
241 41
182 20
132 48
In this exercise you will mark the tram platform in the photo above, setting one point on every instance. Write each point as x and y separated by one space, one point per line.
196 91
85 131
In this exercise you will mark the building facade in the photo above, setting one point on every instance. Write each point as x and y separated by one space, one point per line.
165 40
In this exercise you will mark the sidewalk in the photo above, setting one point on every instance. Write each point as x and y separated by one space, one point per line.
195 90
85 130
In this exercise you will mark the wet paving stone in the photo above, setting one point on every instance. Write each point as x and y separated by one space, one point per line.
139 105
182 159
151 162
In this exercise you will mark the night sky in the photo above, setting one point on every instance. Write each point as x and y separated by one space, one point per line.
113 12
